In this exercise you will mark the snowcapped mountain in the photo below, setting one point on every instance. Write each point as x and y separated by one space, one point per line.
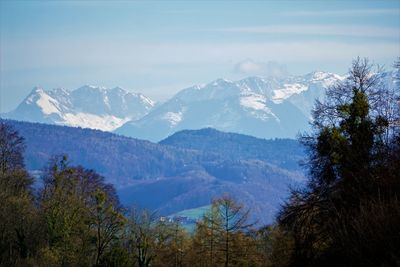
260 107
87 107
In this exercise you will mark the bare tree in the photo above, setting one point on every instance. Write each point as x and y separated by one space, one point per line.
142 236
234 218
383 98
108 222
206 237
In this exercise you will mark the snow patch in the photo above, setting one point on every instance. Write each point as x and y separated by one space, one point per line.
146 100
86 120
288 90
326 79
256 102
173 117
47 104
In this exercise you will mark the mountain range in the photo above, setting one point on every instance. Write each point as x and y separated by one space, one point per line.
184 171
262 107
88 107
265 108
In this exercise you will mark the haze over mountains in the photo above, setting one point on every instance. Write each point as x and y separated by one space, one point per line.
262 107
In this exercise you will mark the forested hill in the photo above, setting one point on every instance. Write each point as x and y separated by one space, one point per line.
286 153
120 159
174 175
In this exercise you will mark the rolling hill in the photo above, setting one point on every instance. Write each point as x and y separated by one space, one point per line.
174 175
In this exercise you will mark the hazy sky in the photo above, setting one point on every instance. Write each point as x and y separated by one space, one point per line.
158 48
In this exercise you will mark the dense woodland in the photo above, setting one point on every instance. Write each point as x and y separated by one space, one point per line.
347 215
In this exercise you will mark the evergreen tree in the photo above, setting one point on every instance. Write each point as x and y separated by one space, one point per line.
348 215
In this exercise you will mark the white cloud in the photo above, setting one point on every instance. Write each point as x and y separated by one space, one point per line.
251 67
345 12
320 30
133 57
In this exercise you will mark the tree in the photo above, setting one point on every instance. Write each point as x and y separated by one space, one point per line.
14 179
12 147
234 219
204 246
118 256
352 194
107 222
142 236
81 213
222 236
179 244
17 213
275 245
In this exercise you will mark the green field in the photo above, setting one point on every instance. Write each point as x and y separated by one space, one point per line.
194 214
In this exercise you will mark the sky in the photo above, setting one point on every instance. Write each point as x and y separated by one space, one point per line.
160 47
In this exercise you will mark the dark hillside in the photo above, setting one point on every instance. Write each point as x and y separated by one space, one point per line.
286 153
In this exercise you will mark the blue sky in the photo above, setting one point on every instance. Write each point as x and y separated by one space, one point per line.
160 47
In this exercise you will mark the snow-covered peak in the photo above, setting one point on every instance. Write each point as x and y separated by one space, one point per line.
326 79
60 91
253 80
318 75
43 100
91 88
36 89
34 95
118 91
220 82
258 85
253 105
269 88
88 106
217 89
251 83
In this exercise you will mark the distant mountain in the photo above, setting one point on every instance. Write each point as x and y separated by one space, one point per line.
265 108
261 107
88 107
175 175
